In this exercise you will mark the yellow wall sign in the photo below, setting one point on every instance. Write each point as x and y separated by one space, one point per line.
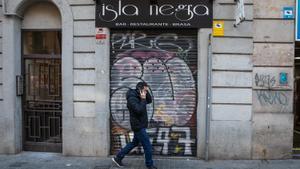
218 28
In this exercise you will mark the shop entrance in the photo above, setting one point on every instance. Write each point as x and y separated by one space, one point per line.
42 98
167 61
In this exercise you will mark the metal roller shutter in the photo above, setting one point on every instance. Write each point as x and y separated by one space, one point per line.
167 61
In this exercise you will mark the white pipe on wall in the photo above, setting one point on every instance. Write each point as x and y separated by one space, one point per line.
208 99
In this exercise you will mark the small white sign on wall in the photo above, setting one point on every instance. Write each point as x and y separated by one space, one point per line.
288 12
100 36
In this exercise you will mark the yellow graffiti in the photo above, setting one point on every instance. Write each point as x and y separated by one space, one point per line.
166 118
174 136
118 130
178 149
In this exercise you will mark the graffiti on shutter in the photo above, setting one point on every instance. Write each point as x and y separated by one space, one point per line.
167 61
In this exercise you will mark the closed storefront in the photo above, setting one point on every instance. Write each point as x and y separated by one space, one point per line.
156 44
167 61
222 81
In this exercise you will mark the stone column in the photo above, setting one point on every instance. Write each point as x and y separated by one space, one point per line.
273 80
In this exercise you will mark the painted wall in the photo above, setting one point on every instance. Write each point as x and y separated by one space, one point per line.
230 136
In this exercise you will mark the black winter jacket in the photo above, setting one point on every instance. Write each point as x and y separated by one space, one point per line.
137 109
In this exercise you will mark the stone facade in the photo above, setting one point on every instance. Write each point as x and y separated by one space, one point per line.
272 136
244 124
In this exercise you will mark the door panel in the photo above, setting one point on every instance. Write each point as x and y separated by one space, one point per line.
42 106
42 99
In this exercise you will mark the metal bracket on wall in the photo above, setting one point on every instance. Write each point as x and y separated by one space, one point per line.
239 12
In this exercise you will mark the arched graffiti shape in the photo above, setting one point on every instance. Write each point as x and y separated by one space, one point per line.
173 88
125 74
123 69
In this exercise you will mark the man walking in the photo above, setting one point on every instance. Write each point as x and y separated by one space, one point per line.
137 99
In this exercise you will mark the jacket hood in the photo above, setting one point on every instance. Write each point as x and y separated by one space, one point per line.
132 93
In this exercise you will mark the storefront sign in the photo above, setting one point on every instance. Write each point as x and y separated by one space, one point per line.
218 28
154 13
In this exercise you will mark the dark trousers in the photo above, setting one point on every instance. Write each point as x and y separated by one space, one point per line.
139 137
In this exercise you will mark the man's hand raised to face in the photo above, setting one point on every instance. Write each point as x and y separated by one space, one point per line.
143 93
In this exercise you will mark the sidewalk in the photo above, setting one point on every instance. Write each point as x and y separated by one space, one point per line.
30 160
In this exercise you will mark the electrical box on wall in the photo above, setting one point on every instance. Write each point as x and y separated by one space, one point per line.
19 85
218 28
